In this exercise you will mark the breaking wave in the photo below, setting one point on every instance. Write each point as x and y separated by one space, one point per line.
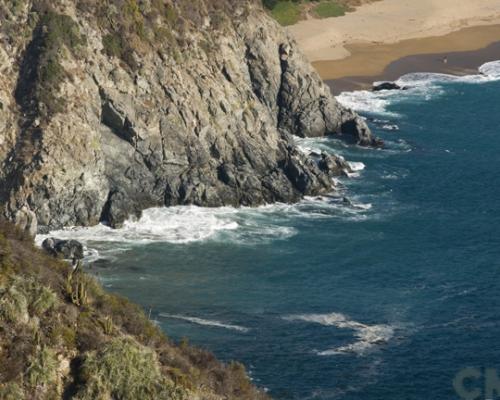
189 224
418 85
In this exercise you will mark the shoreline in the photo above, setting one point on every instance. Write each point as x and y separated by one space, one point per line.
458 63
392 22
374 59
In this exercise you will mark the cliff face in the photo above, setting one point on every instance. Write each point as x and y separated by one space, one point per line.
107 108
63 337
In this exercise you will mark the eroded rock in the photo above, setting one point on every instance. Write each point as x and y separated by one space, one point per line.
210 126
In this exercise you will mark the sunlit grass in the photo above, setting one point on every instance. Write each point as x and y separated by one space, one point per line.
287 12
328 9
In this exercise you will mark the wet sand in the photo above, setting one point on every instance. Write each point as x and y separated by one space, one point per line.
373 59
458 63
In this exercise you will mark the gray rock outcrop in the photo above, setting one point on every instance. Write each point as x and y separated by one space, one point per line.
92 130
66 249
387 85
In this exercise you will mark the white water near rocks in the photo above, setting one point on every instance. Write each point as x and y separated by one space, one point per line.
419 85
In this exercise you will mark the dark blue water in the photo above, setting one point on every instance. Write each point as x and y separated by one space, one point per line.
327 301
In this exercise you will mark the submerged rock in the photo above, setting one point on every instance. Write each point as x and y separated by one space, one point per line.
67 249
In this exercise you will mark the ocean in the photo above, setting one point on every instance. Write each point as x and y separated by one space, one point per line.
388 295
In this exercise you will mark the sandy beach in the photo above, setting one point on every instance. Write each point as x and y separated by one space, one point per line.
365 42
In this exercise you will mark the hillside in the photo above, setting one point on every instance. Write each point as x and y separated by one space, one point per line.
62 336
110 107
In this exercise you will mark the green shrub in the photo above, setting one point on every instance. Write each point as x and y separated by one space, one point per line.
287 12
125 370
14 305
11 391
25 297
42 299
43 368
54 35
327 9
59 30
113 45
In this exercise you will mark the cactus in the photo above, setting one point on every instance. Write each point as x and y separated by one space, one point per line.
76 288
69 284
79 296
107 325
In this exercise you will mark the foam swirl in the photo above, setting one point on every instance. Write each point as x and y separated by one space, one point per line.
367 336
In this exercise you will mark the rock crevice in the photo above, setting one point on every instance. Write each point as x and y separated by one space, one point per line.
208 122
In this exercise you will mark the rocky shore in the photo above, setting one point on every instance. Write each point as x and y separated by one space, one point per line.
108 110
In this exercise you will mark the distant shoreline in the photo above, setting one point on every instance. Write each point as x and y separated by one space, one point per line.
391 37
387 22
458 63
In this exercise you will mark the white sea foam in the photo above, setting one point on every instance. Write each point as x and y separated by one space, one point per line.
316 145
367 101
188 224
169 225
205 322
356 166
367 336
491 69
390 127
418 85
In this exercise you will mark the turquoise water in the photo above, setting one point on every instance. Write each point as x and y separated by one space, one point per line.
386 299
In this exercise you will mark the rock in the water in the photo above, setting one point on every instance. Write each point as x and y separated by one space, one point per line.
334 165
67 249
378 86
347 201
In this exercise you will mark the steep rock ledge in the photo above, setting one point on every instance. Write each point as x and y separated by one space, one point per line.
95 129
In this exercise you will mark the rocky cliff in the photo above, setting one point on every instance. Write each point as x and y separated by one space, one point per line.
110 107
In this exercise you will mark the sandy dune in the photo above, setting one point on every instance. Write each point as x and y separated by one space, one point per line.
391 21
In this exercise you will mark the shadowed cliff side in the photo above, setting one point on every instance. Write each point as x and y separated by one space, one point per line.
62 336
110 107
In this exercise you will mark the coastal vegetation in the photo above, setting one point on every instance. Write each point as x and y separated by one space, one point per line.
289 12
63 336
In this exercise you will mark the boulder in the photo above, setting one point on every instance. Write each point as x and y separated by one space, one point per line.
334 165
378 86
66 249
